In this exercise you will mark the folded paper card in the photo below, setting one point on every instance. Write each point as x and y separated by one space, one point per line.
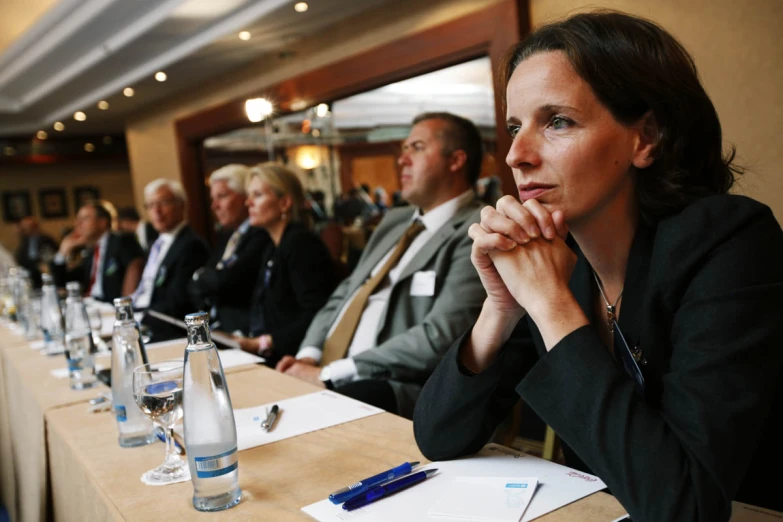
486 499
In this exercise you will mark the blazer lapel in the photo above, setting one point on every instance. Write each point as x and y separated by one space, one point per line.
171 255
635 286
423 256
384 245
87 264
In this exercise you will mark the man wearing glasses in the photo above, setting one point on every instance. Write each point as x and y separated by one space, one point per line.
173 258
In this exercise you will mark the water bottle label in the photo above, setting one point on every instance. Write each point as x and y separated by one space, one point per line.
207 467
121 414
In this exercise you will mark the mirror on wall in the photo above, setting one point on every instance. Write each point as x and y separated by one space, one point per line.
353 142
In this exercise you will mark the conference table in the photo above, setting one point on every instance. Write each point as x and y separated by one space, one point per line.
66 465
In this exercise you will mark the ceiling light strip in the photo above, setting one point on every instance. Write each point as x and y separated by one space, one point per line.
49 41
35 32
101 51
228 25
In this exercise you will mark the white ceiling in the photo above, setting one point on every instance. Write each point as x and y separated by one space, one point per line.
78 52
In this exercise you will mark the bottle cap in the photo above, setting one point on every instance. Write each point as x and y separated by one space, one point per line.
197 319
123 301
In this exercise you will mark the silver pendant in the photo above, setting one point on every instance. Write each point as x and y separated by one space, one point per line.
638 356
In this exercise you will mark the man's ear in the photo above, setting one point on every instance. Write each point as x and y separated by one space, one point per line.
647 141
458 160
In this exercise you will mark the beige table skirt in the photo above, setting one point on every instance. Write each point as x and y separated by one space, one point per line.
30 393
94 479
8 341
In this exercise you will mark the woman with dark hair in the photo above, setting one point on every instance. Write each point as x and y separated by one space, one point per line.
297 274
631 302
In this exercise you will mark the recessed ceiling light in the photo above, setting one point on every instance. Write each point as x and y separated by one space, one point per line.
244 35
301 7
58 126
160 76
41 135
79 116
128 91
103 105
107 140
89 147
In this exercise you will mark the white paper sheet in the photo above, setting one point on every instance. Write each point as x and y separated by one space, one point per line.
485 499
558 486
62 373
168 344
298 415
228 358
234 358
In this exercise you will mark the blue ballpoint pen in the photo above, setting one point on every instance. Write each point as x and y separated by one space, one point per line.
347 493
385 490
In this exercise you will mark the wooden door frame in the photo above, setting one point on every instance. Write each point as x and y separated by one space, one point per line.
488 32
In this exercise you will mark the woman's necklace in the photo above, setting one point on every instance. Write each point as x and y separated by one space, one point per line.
610 308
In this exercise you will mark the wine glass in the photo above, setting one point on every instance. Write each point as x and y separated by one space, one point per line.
157 390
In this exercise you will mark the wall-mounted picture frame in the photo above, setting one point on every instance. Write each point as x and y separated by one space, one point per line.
82 195
53 203
16 205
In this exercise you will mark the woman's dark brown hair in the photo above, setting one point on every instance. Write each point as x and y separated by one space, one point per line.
634 66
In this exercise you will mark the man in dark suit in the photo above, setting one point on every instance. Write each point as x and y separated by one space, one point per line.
34 248
173 258
224 286
112 263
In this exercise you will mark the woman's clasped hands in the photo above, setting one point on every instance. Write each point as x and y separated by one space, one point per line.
520 253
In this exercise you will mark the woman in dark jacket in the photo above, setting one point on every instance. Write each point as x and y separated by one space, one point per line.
653 346
297 273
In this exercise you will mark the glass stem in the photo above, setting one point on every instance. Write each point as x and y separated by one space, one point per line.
171 454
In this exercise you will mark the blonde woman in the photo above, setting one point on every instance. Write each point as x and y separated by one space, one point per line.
297 273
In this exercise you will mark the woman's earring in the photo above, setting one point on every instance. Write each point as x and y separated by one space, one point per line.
284 216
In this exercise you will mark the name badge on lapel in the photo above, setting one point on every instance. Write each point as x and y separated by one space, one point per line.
423 284
111 267
161 276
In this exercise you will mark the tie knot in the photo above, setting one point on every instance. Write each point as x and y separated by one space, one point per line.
415 229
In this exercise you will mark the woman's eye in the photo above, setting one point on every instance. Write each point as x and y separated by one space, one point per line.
559 122
512 130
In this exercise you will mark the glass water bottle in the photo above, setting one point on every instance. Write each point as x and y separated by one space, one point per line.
51 317
210 432
127 352
79 347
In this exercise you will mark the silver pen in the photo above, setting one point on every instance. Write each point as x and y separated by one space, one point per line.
271 416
